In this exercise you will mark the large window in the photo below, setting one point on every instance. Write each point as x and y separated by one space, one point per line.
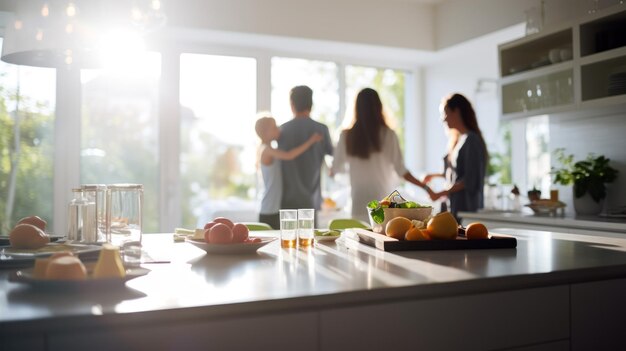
218 142
390 86
27 103
538 153
321 76
119 141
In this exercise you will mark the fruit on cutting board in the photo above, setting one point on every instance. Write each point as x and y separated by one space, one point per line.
397 227
417 234
476 230
443 226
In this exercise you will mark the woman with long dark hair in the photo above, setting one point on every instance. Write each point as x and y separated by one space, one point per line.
466 161
372 153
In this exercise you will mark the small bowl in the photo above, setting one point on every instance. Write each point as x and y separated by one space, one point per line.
420 213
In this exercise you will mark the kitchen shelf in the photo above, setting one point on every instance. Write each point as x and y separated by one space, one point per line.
543 51
566 69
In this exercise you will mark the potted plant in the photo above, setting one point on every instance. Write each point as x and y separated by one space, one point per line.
589 178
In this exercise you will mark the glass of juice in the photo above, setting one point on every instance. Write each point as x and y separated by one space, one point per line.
288 228
305 227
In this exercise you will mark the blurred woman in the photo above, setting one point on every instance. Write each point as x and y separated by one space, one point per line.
466 160
372 153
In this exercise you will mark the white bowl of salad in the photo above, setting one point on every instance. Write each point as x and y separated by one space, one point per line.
392 206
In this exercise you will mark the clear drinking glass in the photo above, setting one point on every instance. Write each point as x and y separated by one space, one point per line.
124 204
96 193
305 227
288 228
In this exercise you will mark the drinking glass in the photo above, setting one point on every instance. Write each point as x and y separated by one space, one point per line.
288 227
123 215
305 226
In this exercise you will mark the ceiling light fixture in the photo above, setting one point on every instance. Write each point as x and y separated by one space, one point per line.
68 33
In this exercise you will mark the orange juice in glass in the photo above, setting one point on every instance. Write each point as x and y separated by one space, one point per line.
288 228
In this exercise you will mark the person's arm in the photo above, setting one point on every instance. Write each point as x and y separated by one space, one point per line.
410 178
339 157
472 167
296 151
431 176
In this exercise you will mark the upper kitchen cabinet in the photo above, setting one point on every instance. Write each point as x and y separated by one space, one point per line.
603 59
576 66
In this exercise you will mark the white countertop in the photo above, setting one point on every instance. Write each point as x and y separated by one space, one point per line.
580 222
195 284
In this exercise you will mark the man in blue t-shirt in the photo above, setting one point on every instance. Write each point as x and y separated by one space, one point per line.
301 176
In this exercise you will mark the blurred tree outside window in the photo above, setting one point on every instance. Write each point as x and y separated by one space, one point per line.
27 103
119 131
218 142
390 85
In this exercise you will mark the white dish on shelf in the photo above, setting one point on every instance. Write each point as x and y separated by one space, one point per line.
231 249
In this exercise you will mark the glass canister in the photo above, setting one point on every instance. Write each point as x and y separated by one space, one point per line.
81 225
97 194
124 204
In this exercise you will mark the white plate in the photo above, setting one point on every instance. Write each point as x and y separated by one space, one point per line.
25 276
327 237
227 249
19 257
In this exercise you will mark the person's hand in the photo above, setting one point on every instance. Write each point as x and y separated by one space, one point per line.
316 137
430 191
437 196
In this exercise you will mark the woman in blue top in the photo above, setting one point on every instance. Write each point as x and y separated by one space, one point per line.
466 161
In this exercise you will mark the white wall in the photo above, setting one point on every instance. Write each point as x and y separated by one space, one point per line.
602 135
460 69
393 23
457 21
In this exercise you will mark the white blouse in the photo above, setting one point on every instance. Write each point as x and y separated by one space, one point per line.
372 178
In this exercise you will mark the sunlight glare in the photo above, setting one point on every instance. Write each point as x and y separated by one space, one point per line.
121 50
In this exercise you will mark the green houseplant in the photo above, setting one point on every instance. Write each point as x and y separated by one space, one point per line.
588 176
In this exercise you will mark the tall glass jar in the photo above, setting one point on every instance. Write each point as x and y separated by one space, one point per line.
82 226
97 194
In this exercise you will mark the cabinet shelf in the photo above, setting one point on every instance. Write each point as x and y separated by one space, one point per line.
591 74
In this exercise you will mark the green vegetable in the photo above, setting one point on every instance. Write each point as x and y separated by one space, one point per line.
378 214
373 204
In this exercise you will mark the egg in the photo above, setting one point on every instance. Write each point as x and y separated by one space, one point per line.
240 233
28 236
34 220
220 234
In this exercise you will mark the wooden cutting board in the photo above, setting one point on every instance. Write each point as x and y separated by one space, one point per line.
385 243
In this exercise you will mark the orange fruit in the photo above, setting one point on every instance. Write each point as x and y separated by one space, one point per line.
476 230
397 227
443 226
417 234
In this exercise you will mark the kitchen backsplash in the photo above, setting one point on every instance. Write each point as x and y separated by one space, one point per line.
601 135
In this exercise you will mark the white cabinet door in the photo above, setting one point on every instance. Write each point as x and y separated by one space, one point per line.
473 322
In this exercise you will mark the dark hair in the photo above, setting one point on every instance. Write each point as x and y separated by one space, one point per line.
468 116
365 135
302 98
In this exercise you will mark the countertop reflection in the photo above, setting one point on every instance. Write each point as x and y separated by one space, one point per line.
325 275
